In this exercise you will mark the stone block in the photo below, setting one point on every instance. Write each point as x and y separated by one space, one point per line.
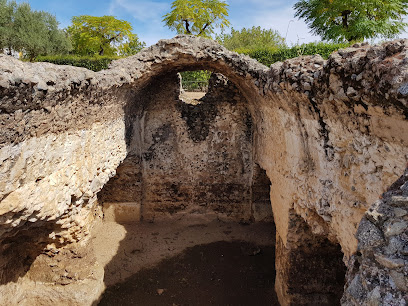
124 212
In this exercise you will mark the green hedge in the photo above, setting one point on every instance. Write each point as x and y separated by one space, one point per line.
195 80
270 56
265 56
95 63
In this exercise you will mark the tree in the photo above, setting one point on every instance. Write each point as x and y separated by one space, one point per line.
37 33
197 17
59 40
350 20
131 47
31 32
7 33
92 35
251 39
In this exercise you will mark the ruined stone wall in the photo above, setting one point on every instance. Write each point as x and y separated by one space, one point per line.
343 142
378 272
61 139
331 135
328 153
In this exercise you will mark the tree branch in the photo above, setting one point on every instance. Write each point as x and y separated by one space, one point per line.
114 37
187 26
203 29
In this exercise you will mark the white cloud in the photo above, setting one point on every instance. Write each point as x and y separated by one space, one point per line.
295 31
147 18
281 19
259 5
274 14
141 10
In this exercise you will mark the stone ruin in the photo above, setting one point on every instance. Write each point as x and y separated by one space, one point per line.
326 139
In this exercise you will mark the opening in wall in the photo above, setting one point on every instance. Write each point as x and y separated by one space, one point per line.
261 199
309 268
195 81
194 85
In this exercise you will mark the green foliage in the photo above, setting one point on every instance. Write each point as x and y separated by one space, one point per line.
252 39
104 35
195 80
270 56
268 47
131 47
353 20
30 32
95 63
197 17
7 33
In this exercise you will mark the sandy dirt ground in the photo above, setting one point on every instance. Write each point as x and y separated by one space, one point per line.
192 97
219 273
133 254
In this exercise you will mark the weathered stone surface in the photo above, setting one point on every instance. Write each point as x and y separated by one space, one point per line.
71 277
383 263
331 136
369 235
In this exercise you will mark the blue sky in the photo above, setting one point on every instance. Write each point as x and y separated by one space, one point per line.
146 16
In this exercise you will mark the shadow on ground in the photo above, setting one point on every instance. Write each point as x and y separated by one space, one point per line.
189 264
219 273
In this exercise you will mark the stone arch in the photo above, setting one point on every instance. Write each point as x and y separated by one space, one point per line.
185 53
139 75
188 53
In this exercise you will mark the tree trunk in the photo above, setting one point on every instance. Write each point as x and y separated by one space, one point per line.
345 14
345 24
